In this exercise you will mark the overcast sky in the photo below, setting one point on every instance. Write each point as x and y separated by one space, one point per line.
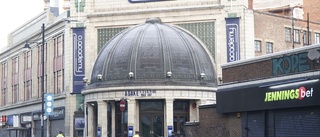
15 13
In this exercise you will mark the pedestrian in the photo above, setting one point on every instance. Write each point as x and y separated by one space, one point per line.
137 134
60 134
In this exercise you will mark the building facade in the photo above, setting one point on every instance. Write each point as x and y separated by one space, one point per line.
22 77
279 99
153 107
226 29
149 78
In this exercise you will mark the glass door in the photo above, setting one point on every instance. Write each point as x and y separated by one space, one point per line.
151 126
178 123
151 118
181 116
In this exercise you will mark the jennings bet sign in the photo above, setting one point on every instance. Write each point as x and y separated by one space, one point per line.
289 94
257 97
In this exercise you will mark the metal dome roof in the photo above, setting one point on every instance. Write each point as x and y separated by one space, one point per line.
146 55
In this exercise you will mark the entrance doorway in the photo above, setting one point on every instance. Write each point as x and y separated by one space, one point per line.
151 118
181 116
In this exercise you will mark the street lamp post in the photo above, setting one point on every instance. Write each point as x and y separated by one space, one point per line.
42 81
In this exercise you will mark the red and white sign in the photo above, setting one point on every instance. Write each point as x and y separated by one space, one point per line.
122 105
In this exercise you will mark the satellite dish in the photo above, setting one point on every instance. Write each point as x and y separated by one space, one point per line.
314 55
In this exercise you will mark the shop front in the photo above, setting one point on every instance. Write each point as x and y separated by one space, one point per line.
277 108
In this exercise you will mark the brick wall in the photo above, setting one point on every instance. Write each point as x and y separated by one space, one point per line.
248 71
213 124
271 28
311 7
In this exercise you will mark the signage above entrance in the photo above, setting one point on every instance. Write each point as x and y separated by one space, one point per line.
140 93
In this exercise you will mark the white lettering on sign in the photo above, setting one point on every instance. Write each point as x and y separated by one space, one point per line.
140 93
231 44
78 55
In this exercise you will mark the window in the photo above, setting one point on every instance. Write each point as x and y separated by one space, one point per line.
309 42
296 35
4 77
27 76
288 34
257 46
15 66
27 90
269 47
59 45
58 70
39 94
304 38
27 59
58 78
4 92
15 80
317 38
15 93
40 73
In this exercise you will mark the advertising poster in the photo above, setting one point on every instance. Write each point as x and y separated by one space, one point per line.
78 60
233 39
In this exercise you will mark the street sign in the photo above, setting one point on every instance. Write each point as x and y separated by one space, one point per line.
122 105
49 104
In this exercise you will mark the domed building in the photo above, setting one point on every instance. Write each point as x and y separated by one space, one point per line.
149 78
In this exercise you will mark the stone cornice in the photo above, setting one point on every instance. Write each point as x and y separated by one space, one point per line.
144 11
194 88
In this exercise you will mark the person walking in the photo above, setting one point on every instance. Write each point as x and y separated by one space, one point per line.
60 134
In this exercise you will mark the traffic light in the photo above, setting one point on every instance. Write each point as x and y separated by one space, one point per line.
49 104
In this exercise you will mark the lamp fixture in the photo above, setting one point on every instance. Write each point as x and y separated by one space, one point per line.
131 74
220 79
169 74
85 80
27 45
202 75
99 76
